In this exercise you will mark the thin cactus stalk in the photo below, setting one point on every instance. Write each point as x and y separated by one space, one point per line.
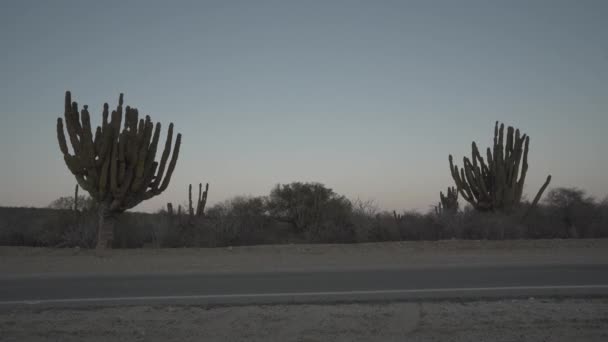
202 199
200 203
439 209
76 198
498 184
190 209
192 212
115 165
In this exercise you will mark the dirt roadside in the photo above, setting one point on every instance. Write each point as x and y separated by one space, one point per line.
512 320
15 261
504 320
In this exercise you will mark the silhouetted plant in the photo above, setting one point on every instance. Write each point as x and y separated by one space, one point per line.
499 183
305 205
193 213
573 208
448 203
116 167
81 203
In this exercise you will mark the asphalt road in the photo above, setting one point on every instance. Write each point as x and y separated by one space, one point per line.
320 286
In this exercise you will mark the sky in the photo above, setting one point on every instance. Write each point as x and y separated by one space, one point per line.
366 97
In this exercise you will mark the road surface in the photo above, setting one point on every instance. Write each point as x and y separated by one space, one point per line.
306 287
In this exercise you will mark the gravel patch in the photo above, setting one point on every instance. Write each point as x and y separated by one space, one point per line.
512 320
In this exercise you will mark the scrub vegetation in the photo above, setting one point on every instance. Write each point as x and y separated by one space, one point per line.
116 165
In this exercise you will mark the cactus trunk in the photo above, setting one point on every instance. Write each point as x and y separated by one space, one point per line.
107 223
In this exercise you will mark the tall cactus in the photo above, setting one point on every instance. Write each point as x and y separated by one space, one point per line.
499 184
200 203
116 167
448 203
76 198
202 199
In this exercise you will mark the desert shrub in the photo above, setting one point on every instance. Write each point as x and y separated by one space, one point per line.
176 234
333 223
447 224
80 232
413 225
321 217
490 225
381 227
238 221
599 226
572 210
28 226
331 232
36 227
370 224
85 203
307 205
542 223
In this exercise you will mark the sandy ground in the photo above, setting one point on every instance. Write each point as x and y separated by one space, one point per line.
25 260
512 320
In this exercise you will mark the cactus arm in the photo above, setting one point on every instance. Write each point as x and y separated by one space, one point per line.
539 194
202 201
145 135
461 185
164 158
61 137
172 164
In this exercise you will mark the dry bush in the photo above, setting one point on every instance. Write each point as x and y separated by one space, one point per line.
599 226
371 225
542 223
307 206
82 232
235 222
381 227
239 221
331 232
573 210
38 227
491 226
566 213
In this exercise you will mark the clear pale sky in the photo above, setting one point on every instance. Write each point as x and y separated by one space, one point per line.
367 97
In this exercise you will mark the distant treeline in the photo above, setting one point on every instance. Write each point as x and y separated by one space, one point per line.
304 213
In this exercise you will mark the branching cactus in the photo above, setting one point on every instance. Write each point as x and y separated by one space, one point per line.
448 203
199 211
498 182
200 203
115 165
